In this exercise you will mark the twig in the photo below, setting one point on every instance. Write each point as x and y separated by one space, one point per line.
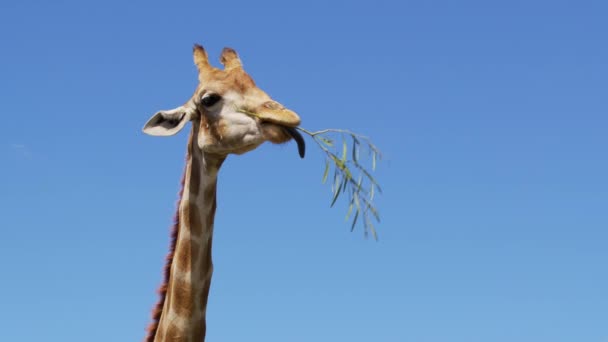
361 192
345 167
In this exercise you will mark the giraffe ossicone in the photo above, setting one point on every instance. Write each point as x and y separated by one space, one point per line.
229 115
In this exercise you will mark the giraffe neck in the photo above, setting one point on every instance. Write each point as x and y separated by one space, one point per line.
184 309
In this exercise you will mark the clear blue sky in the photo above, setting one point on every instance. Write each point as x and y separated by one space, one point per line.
492 117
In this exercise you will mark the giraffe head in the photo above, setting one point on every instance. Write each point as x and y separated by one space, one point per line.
231 114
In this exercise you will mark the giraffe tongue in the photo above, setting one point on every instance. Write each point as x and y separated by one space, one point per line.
298 138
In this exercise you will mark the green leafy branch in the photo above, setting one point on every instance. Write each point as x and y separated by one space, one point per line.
350 175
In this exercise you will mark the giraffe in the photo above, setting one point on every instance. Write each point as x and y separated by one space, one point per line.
229 115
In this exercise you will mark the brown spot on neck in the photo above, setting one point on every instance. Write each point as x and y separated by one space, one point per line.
189 281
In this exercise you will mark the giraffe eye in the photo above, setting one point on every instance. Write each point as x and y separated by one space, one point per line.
208 100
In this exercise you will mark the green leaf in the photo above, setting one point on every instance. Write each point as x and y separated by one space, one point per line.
352 227
350 210
345 181
333 185
355 150
337 193
371 208
356 200
326 172
373 160
370 177
339 163
374 212
370 226
327 141
347 172
356 186
344 151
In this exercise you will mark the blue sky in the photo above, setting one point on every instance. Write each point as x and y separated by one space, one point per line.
492 117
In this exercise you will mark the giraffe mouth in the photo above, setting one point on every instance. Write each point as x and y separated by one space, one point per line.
298 138
291 130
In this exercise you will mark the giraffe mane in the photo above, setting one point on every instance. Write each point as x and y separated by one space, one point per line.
162 290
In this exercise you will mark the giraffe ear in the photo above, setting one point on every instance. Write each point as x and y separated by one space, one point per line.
167 122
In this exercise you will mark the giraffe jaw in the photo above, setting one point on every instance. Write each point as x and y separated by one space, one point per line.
289 126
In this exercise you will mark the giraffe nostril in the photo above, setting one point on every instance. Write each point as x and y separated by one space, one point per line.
273 105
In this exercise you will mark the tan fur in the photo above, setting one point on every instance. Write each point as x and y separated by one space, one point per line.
229 59
181 311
